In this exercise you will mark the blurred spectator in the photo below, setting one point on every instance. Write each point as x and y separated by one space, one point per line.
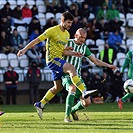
105 84
33 78
26 14
108 55
85 64
85 11
86 77
128 6
16 40
119 5
34 10
50 23
34 35
115 42
73 9
5 26
11 81
103 12
5 45
92 29
43 51
96 82
35 55
6 12
75 25
116 88
101 29
113 13
51 6
61 6
17 15
34 24
116 25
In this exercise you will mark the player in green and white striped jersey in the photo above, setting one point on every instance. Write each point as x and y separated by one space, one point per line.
78 46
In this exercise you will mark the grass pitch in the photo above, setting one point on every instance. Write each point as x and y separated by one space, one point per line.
97 118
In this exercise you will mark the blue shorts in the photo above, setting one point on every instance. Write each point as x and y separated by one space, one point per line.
56 65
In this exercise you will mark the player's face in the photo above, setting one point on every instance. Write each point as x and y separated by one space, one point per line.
80 37
67 24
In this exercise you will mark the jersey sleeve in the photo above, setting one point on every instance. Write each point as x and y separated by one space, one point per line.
87 52
127 60
46 34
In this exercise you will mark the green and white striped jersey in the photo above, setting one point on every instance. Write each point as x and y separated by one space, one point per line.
76 61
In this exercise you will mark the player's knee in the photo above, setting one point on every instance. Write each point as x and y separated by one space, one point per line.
86 102
72 88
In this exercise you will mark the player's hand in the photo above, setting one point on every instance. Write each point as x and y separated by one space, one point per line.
69 48
113 67
21 52
78 54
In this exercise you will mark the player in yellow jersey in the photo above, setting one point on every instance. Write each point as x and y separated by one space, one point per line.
57 39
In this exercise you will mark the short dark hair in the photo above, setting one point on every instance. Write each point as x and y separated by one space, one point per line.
67 16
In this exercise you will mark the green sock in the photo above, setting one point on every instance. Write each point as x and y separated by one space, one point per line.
128 95
69 103
77 107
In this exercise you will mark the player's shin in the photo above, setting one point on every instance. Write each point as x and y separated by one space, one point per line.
78 83
48 96
69 103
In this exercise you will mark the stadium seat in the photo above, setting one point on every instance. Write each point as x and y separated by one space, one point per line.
13 3
58 16
130 22
42 21
89 41
129 43
120 58
39 2
92 16
48 15
3 61
47 74
30 3
129 16
21 3
122 18
24 35
100 43
21 29
2 3
41 15
12 58
41 8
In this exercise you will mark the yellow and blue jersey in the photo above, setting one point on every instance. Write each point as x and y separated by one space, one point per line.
56 42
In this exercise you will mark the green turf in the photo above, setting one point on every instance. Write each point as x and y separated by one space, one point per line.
97 118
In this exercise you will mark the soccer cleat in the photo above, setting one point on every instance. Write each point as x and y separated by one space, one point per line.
1 113
75 116
39 110
86 94
67 120
120 104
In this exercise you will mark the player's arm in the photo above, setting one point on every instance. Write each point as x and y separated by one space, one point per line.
101 63
30 45
67 52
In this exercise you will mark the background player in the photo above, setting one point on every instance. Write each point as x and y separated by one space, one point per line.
128 62
57 38
78 46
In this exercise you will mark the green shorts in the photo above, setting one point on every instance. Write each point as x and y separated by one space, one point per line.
66 82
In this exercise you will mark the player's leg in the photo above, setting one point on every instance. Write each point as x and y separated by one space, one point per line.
68 68
123 99
1 113
79 106
69 101
47 97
